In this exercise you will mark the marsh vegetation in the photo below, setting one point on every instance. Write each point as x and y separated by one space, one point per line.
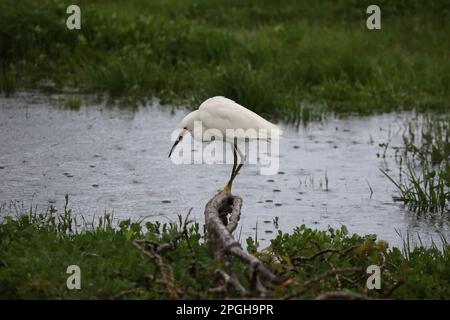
314 262
424 161
313 66
291 61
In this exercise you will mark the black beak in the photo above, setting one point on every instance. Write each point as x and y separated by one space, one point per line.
175 144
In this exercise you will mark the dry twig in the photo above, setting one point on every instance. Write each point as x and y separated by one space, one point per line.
302 289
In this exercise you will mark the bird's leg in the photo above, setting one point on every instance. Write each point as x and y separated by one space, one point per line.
236 167
241 160
230 182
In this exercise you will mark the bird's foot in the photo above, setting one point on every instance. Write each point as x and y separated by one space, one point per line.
226 189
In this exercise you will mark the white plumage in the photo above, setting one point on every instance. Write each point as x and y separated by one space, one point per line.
224 114
223 118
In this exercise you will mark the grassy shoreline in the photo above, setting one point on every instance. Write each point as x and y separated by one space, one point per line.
289 62
283 62
112 268
424 165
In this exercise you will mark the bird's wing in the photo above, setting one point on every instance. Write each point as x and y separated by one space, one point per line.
222 113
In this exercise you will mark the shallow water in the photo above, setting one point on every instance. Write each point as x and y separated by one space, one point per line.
115 160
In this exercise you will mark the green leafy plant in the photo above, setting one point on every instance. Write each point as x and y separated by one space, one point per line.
150 260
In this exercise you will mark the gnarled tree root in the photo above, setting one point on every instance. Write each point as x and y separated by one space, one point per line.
219 228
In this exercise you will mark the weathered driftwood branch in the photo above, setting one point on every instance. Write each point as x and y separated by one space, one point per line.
304 287
322 252
151 250
228 280
219 229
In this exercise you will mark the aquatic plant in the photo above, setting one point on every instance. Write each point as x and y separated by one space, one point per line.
36 249
428 193
426 153
73 103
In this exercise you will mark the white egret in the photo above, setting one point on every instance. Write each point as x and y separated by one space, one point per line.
232 121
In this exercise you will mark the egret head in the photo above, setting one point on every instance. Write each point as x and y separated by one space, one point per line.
186 125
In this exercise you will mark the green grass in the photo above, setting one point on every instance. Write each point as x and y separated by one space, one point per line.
292 60
72 103
426 153
36 249
428 193
287 60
